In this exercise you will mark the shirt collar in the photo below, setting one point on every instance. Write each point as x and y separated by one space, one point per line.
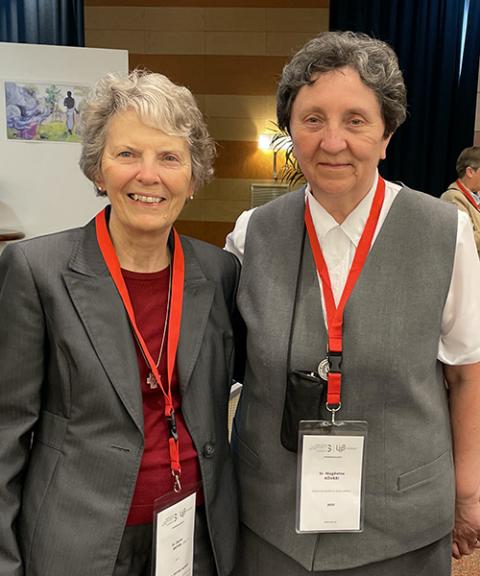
354 223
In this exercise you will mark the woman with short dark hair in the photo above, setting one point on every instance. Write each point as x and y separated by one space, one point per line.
359 297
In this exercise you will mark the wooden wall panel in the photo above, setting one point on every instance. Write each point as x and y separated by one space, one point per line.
230 54
212 232
243 75
212 3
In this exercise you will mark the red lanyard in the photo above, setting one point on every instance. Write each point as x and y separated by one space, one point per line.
174 320
334 314
468 195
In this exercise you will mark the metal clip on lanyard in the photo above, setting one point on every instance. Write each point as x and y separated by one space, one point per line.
334 367
173 435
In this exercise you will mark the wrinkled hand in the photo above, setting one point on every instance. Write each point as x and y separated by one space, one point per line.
466 534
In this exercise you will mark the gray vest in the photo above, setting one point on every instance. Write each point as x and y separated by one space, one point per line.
391 378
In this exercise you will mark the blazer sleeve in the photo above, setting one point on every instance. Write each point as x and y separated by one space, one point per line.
22 341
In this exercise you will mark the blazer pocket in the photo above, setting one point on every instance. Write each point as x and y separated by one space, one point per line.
242 450
425 473
51 430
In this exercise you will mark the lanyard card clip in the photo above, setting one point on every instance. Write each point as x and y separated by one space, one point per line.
172 425
333 408
334 382
335 362
332 363
177 485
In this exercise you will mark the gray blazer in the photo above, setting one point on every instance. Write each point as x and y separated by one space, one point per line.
71 416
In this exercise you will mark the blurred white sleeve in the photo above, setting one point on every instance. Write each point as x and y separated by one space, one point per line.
235 241
460 335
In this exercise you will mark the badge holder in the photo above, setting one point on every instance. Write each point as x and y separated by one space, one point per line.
173 532
331 476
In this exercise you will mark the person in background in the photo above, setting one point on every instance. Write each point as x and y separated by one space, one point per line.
116 354
465 191
359 297
69 103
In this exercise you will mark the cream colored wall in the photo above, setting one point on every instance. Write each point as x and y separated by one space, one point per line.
230 57
42 190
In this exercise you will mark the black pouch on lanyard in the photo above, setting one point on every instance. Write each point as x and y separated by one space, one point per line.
304 398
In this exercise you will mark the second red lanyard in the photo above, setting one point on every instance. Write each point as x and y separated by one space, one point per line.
334 312
468 195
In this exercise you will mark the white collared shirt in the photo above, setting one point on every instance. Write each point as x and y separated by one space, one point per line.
460 333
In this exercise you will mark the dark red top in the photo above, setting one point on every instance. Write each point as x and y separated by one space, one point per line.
148 293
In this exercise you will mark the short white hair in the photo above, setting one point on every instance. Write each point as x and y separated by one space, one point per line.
159 103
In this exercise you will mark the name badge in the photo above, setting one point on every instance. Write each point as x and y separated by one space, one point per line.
174 528
330 476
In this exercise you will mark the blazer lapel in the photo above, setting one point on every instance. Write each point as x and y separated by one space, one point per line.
101 311
197 302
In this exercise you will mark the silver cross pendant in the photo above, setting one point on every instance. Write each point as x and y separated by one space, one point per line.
152 381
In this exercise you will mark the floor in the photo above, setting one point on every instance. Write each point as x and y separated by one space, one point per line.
467 566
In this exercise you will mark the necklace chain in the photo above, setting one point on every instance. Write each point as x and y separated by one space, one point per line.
151 380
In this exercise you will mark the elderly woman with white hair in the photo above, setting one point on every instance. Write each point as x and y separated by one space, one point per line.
116 347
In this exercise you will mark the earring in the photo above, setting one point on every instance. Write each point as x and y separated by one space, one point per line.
191 197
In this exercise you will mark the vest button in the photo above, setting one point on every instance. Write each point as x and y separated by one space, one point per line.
208 450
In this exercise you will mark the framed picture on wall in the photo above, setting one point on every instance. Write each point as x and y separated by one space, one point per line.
45 112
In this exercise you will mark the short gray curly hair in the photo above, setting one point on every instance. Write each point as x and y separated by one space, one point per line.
159 103
374 60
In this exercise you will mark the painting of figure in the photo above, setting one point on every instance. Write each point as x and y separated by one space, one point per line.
44 112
